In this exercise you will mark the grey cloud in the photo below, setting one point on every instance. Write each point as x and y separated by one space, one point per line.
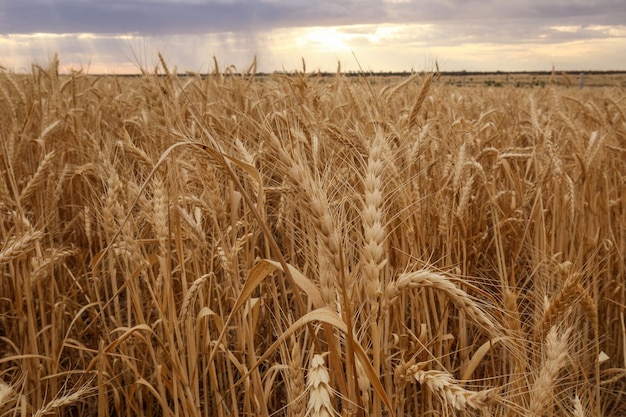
132 16
514 19
163 17
511 22
600 12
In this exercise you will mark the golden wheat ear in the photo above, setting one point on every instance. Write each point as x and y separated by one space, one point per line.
554 359
320 392
448 389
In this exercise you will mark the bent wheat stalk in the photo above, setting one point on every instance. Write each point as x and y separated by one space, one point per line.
425 278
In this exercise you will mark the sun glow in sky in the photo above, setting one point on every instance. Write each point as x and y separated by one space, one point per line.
383 35
329 39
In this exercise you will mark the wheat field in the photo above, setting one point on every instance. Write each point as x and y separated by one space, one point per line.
297 245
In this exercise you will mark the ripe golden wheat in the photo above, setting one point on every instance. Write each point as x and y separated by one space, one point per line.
234 244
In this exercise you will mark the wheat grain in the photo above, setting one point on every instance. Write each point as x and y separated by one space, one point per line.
160 218
427 279
320 392
459 166
572 292
54 405
136 153
330 263
555 355
192 292
579 409
6 394
364 385
426 83
19 246
39 177
41 266
296 381
448 389
464 198
373 224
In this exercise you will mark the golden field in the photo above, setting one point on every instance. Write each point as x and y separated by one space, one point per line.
292 245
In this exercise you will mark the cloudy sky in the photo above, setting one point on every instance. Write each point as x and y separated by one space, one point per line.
119 36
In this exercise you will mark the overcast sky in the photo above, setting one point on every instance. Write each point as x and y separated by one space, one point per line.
118 36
